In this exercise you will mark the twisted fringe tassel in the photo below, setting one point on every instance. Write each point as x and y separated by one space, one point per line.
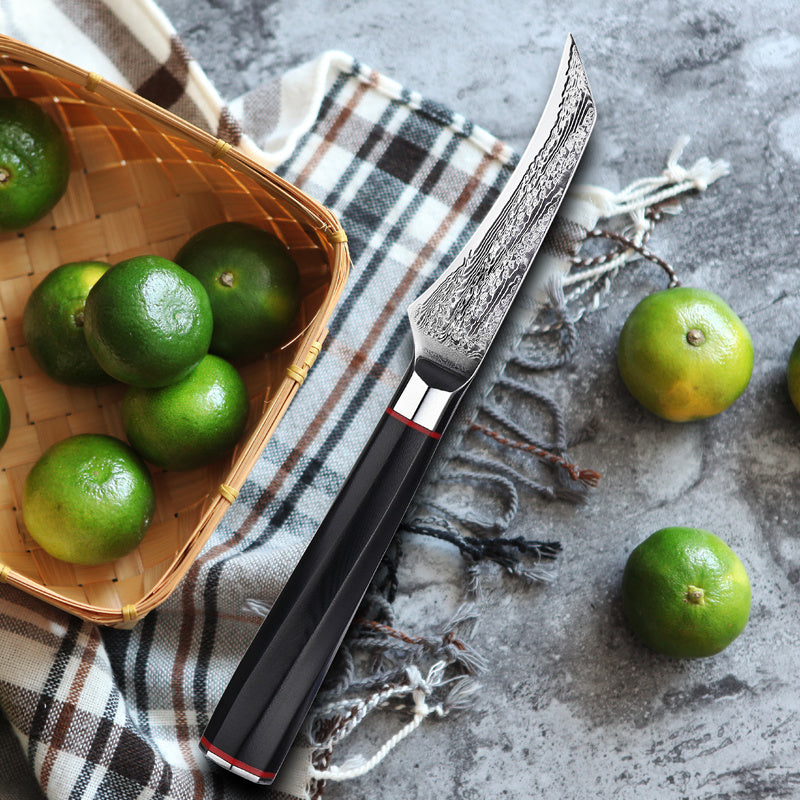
648 192
638 201
588 477
420 689
503 551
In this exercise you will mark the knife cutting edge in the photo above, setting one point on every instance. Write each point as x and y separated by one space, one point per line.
453 323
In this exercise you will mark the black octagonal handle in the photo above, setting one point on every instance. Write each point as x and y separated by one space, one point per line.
269 695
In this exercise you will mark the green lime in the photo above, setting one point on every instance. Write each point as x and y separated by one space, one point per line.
684 354
190 423
793 374
88 499
5 418
148 321
52 324
685 593
34 163
253 284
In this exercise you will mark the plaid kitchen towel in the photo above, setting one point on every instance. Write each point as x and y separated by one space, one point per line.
100 713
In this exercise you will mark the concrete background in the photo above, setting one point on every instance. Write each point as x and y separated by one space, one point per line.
574 706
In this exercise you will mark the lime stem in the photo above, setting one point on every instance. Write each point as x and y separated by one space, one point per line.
226 279
5 175
695 337
695 595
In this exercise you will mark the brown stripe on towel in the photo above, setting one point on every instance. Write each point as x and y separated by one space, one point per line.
167 84
399 295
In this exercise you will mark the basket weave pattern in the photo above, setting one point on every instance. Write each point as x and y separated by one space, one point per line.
142 181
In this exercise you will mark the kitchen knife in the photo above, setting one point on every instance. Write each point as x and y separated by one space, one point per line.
453 324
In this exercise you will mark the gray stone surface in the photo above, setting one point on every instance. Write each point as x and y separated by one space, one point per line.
574 706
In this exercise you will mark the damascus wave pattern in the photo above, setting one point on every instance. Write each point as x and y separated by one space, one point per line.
463 311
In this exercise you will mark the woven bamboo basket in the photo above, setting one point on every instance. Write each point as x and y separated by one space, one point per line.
142 181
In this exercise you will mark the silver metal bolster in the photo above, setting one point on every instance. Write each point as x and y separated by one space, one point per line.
422 404
242 773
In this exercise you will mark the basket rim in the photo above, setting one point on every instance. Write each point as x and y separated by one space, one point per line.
320 220
326 221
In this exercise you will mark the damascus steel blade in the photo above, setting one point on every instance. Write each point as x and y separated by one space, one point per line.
456 319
